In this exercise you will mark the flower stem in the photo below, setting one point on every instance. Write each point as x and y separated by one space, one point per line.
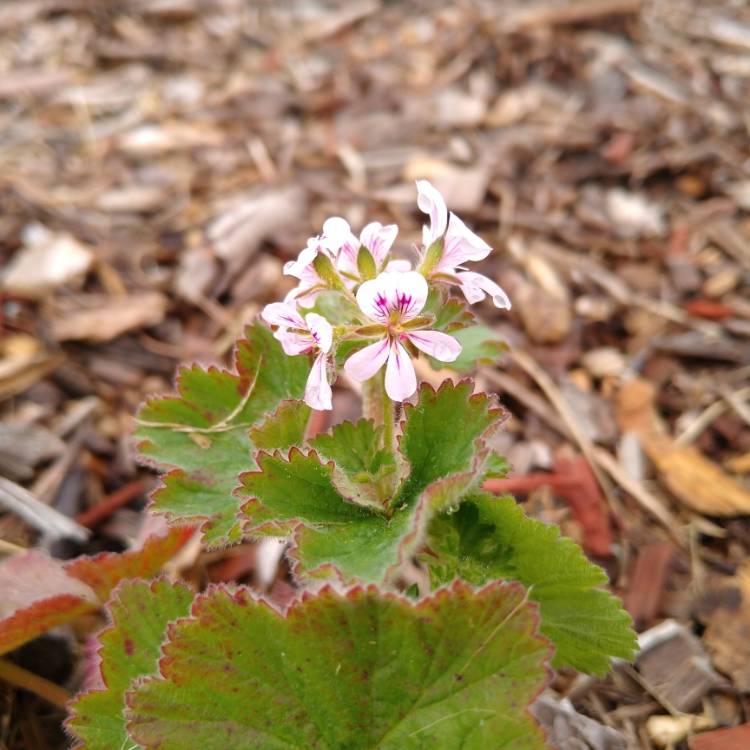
22 678
389 423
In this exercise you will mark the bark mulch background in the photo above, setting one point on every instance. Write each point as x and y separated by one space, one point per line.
161 159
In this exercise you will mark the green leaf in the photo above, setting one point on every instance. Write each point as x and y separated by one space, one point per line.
451 313
202 432
284 428
361 468
479 345
129 648
339 527
445 432
348 671
489 538
336 308
497 466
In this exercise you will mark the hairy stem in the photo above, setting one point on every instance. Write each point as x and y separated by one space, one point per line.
22 678
372 399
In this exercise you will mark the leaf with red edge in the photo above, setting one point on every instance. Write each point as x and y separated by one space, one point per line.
38 595
104 571
202 432
348 671
129 648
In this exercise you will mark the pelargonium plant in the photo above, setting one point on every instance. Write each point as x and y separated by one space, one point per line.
428 613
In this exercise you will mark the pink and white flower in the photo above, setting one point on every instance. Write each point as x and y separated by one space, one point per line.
392 300
376 237
460 245
310 283
299 335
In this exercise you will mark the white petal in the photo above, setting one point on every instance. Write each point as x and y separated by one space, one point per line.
341 243
378 239
431 202
281 314
393 292
337 232
437 344
400 378
362 365
399 265
304 259
294 343
475 286
317 390
461 244
321 331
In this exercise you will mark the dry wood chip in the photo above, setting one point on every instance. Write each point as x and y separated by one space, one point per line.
96 317
695 480
47 262
731 738
238 232
568 729
675 667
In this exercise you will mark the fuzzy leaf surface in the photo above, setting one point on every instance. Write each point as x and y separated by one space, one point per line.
335 525
202 432
129 648
489 538
358 670
361 466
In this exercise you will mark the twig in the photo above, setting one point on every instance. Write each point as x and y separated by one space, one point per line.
563 408
26 680
49 521
642 496
110 503
736 400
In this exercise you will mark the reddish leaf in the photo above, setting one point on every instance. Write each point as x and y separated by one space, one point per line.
104 571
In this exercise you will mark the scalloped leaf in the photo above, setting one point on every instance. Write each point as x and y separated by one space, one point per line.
361 467
338 528
202 433
489 538
128 648
349 671
332 535
40 593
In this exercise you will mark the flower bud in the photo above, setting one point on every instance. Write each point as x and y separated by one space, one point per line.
432 257
366 264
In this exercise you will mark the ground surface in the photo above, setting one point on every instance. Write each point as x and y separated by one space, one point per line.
161 159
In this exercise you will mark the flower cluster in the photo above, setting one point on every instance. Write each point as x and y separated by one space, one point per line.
389 323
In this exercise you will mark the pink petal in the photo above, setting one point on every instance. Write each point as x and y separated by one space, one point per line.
438 345
475 286
431 202
304 259
317 390
461 245
294 343
378 239
400 378
321 331
362 365
280 314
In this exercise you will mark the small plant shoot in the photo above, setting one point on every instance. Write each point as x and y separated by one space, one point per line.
426 612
